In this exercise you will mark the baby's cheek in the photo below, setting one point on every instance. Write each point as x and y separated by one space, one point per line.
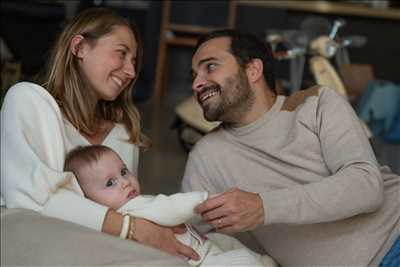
135 182
138 187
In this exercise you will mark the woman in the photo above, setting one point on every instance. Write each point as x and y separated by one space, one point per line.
87 100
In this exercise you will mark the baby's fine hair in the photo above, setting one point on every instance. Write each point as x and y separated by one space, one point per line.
83 156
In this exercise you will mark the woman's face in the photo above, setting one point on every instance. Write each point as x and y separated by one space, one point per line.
109 65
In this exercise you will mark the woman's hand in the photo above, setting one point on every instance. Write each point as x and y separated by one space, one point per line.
151 234
163 238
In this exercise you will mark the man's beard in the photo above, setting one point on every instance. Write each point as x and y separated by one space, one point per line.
235 99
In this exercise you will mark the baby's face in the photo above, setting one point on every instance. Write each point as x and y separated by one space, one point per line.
109 182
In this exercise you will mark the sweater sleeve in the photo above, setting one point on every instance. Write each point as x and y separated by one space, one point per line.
195 178
165 210
32 158
196 175
354 186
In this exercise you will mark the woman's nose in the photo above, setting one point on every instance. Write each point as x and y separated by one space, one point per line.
129 69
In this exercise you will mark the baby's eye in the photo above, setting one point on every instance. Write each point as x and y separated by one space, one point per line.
124 171
111 182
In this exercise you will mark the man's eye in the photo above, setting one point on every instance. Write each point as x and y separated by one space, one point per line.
124 171
111 182
193 76
211 66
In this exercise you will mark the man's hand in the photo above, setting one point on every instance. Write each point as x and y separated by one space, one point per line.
233 211
163 238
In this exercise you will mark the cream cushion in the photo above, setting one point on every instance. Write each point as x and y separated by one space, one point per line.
28 238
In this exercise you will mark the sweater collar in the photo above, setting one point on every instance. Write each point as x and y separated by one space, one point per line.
267 116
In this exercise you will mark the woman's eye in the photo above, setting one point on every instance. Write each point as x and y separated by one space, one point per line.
122 53
124 171
111 182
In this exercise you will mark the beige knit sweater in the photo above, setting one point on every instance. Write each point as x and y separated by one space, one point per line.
326 201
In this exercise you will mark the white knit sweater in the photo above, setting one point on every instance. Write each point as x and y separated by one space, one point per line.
35 138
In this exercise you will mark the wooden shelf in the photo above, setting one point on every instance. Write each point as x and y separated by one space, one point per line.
184 35
190 29
327 7
182 41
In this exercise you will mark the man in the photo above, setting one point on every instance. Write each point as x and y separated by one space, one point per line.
298 172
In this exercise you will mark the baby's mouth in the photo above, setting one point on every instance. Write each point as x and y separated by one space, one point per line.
132 194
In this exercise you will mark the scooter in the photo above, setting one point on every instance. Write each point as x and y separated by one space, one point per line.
318 43
320 50
318 47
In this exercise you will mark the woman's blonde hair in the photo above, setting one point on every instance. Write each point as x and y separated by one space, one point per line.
65 83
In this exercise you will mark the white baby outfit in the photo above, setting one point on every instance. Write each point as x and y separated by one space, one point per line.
179 208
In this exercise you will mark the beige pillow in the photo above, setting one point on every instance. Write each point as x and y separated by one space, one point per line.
27 238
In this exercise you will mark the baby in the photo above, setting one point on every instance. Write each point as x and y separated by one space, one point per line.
104 178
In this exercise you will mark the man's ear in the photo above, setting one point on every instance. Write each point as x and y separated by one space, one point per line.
254 70
76 46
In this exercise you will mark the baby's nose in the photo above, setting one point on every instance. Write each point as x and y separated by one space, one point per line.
125 183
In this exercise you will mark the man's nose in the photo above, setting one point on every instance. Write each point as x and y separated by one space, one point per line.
198 83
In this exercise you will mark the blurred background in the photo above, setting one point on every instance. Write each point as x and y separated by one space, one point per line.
366 61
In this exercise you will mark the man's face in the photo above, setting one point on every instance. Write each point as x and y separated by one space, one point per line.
219 83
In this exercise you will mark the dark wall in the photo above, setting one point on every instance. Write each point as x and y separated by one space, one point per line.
30 29
205 13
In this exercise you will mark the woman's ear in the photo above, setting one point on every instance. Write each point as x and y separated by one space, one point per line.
76 46
254 70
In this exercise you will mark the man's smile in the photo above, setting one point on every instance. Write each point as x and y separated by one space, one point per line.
208 92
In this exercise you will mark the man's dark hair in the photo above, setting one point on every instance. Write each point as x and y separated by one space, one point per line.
246 47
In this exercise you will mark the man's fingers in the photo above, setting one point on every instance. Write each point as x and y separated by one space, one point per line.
221 223
210 204
215 214
214 195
